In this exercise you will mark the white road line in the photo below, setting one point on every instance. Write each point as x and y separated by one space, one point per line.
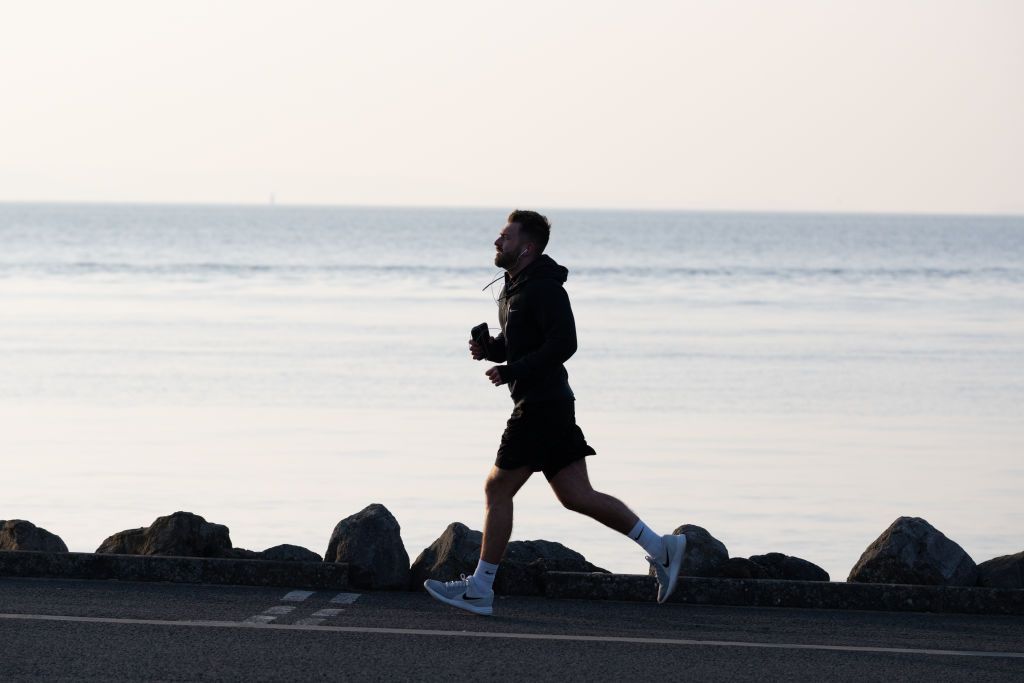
260 619
298 596
309 621
279 610
327 612
345 598
522 636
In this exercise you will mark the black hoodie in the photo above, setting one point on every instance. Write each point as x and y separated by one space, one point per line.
538 333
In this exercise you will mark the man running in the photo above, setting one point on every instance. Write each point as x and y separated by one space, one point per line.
538 334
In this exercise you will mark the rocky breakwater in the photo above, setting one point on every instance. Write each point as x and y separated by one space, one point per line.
184 534
523 568
913 552
910 567
181 547
708 557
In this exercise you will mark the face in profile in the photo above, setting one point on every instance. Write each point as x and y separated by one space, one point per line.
508 246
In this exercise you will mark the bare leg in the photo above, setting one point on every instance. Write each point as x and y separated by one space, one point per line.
572 487
501 487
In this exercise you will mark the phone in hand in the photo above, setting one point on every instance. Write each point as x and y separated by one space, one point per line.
481 335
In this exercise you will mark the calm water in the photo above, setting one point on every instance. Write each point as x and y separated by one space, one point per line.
790 382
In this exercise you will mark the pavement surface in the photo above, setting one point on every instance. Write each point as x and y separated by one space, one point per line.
52 629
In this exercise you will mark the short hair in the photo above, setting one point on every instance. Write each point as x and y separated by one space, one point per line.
536 227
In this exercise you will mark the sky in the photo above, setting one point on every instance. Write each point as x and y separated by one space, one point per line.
893 106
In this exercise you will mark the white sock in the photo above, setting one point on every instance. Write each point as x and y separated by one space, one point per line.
483 578
649 541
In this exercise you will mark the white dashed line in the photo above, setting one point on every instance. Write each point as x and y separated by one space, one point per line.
309 621
270 614
279 610
328 612
297 596
345 598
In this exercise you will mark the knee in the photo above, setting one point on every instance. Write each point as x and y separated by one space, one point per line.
495 492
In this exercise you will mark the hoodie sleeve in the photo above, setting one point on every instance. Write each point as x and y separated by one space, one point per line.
553 315
496 350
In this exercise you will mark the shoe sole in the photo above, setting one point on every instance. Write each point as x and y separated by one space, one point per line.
673 569
485 611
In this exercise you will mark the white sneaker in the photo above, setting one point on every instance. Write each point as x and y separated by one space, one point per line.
456 594
668 574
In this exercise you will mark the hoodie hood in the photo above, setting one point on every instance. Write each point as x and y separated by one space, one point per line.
544 268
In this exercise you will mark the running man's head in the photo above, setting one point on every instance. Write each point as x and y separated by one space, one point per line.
522 240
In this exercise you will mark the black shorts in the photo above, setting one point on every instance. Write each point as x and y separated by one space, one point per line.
543 436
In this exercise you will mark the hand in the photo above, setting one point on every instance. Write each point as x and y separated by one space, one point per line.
475 350
494 374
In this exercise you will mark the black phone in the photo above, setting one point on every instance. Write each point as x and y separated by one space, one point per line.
480 334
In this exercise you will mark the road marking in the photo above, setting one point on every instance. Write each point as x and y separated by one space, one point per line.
345 598
251 623
328 612
298 596
270 614
309 621
260 619
279 610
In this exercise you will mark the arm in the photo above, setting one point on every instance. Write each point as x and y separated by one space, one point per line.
554 316
496 347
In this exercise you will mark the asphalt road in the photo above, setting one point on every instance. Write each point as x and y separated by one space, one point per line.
111 630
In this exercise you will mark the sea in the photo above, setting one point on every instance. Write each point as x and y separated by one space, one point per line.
790 382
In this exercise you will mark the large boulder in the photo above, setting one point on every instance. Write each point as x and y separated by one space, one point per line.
20 534
525 563
912 551
705 554
290 553
182 534
788 568
1002 572
742 568
457 550
280 553
370 542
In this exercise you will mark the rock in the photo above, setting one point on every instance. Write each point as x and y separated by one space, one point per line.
912 551
290 553
370 542
788 568
1002 572
457 550
182 534
704 553
20 534
525 563
742 568
285 552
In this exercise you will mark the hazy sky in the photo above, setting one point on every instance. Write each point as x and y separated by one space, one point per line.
795 105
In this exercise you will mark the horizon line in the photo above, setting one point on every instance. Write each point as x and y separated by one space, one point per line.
277 204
